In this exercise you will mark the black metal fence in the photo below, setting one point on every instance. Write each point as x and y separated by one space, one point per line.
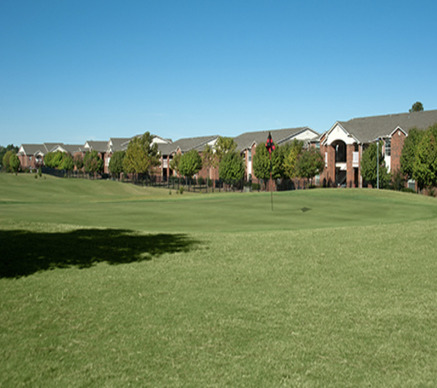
185 184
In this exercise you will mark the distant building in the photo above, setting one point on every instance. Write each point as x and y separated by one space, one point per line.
343 145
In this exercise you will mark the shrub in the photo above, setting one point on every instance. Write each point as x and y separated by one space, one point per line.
200 181
407 190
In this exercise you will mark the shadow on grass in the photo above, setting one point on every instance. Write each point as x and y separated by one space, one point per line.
25 252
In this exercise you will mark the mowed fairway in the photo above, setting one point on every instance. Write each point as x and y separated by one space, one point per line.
107 284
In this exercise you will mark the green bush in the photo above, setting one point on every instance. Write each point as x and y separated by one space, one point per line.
256 186
200 181
407 190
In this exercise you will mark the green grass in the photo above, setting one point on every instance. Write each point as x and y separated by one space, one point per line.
215 290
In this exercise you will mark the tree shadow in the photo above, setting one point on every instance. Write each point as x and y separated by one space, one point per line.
25 252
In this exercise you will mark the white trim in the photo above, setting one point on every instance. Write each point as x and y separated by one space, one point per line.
337 132
398 128
337 125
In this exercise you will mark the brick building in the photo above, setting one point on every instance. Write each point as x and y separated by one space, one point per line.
343 145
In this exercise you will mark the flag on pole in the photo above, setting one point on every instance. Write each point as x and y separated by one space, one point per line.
269 144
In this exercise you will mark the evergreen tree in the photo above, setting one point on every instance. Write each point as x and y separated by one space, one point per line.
409 151
67 163
369 166
93 164
78 161
425 163
116 163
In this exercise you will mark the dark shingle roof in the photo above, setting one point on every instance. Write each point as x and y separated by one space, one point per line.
118 143
367 129
185 145
279 136
32 149
99 146
72 148
49 147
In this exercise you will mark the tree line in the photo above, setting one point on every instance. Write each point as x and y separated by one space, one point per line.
287 161
290 161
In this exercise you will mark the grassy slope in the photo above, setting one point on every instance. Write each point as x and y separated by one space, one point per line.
341 305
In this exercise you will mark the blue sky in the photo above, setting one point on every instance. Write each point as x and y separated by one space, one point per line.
73 70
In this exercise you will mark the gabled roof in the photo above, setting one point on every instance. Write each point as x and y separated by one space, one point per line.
32 149
99 146
279 136
49 147
118 143
368 129
73 148
185 145
160 140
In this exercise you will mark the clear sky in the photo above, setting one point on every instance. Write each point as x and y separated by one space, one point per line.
75 70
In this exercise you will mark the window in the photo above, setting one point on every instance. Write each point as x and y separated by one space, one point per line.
388 147
326 159
249 155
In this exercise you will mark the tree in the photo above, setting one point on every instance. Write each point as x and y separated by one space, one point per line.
78 161
291 157
409 151
14 162
175 162
310 163
425 163
67 163
141 155
209 160
53 159
3 151
92 162
223 146
417 107
190 163
116 163
6 160
48 159
231 168
369 166
261 162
